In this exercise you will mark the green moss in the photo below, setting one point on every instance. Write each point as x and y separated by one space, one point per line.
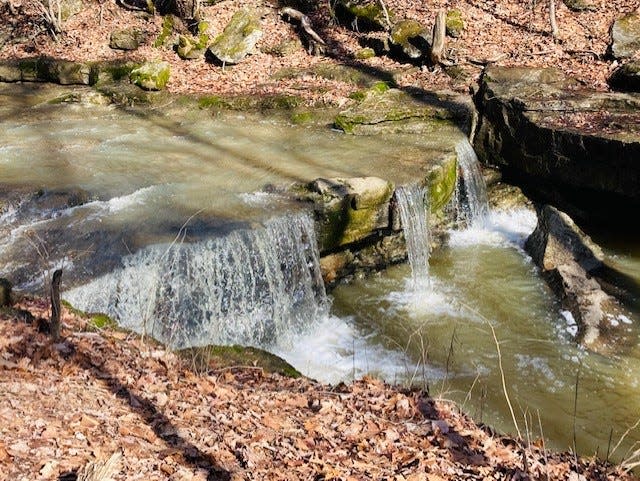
404 30
454 23
95 321
208 358
365 53
165 33
442 183
300 118
280 102
370 11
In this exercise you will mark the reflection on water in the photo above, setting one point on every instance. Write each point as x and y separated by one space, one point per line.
483 277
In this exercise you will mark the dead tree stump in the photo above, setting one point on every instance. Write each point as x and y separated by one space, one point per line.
439 38
54 323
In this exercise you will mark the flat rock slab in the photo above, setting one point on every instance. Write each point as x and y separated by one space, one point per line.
565 145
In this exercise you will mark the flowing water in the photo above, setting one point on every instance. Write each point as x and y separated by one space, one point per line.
176 228
471 203
414 214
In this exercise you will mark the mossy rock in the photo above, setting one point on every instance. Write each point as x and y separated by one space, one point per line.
45 69
95 321
238 38
411 37
454 23
189 48
167 31
126 39
392 111
363 15
209 358
625 36
365 53
626 77
151 75
580 5
441 182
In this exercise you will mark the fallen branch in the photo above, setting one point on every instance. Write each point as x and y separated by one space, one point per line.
55 305
316 44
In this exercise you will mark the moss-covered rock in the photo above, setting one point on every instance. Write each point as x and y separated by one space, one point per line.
363 15
238 38
411 38
391 111
454 23
625 36
189 48
441 183
365 53
348 210
151 75
580 5
127 39
46 69
208 358
166 32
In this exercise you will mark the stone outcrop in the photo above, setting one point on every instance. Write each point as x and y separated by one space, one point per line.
568 259
151 75
564 145
625 36
384 110
45 69
626 77
238 38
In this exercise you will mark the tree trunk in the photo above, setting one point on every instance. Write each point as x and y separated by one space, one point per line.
55 305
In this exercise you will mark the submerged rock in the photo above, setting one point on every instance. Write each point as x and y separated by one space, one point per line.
625 36
238 38
562 144
568 258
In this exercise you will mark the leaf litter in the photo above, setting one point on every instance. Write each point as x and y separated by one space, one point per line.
100 395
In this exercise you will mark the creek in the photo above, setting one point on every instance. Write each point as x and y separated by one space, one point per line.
176 225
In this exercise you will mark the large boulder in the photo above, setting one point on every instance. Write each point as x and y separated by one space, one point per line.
568 260
238 38
625 36
46 69
571 147
151 75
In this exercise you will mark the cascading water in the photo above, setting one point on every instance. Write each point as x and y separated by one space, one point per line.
414 214
252 287
472 206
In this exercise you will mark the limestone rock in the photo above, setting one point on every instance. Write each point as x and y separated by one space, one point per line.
565 145
412 38
625 36
349 209
151 75
568 257
626 77
238 38
128 39
381 109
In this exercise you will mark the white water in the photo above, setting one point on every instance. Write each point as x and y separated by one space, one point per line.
414 214
472 206
255 287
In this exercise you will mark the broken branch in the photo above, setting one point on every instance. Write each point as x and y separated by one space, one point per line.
316 44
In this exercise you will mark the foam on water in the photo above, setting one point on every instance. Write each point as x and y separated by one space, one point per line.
506 228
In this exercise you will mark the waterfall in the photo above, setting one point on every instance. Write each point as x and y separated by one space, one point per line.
252 287
472 206
414 215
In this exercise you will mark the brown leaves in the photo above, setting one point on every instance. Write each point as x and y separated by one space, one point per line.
238 423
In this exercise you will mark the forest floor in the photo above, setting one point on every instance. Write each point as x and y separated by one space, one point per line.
67 407
508 32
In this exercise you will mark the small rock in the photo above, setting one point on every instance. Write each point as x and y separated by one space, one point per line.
151 75
412 38
580 5
189 49
128 39
454 23
365 53
238 38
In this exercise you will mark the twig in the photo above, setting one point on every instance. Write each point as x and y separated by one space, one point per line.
552 19
55 305
544 448
504 384
316 44
386 14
